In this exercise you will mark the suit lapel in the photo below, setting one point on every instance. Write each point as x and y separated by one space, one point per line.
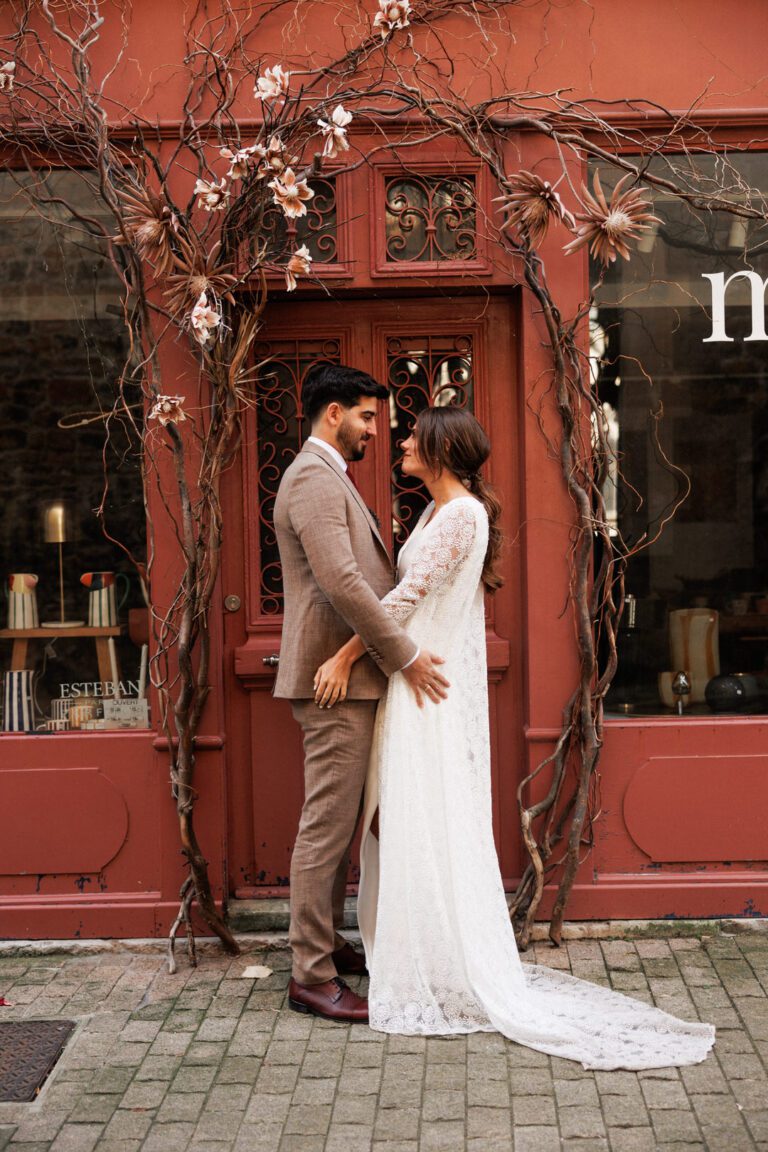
344 477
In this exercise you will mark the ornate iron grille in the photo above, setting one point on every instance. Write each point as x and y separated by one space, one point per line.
283 364
318 229
430 218
422 371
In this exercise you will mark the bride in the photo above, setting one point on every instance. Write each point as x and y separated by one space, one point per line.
432 911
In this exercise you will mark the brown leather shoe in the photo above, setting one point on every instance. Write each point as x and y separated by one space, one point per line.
348 961
333 1000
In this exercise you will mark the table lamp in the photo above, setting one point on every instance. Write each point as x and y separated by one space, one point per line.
56 531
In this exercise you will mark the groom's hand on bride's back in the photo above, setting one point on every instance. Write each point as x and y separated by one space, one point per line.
425 678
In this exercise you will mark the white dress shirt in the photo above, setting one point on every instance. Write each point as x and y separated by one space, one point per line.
342 463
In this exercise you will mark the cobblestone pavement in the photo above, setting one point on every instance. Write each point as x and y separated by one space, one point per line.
210 1060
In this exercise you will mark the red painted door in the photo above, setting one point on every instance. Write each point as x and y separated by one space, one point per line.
434 351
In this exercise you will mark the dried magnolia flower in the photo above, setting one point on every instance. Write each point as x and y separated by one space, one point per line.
300 264
168 410
204 320
291 194
274 157
392 14
149 224
241 161
213 194
607 226
272 84
7 72
532 203
335 132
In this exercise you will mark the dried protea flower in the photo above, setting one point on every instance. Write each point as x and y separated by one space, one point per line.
7 72
606 227
199 274
335 132
150 224
212 194
168 410
300 264
392 14
532 203
272 84
291 193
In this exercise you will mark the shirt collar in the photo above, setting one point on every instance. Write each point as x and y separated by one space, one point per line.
329 448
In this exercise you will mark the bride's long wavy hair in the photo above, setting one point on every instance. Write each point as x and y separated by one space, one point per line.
451 438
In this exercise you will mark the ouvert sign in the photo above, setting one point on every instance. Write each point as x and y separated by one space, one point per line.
719 288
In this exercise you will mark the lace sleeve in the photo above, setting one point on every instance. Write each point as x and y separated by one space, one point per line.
435 560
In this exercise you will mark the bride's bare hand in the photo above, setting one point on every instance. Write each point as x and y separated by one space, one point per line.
331 681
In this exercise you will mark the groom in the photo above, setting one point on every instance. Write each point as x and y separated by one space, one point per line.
336 569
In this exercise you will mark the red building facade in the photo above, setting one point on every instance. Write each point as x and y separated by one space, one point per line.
88 833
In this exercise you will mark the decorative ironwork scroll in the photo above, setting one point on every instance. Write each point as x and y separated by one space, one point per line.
430 218
318 229
422 371
283 364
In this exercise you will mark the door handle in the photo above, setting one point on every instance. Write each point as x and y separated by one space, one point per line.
271 661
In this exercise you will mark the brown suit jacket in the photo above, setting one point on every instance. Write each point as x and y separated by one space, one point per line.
335 571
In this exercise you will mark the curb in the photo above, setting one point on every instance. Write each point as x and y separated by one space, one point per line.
259 941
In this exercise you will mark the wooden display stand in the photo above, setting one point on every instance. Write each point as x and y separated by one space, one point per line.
100 636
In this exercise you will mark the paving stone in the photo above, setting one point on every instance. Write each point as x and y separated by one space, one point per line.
127 1124
218 1126
442 1137
488 1123
265 1108
570 1092
624 1111
168 1138
443 1104
446 1076
77 1138
530 1110
348 1138
94 1109
238 1070
536 1139
352 1110
641 1139
490 1093
674 1124
581 1121
664 1094
398 1124
181 1106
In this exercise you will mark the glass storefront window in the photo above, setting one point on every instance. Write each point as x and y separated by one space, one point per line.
72 533
680 354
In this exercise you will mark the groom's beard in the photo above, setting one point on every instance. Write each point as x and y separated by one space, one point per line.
352 443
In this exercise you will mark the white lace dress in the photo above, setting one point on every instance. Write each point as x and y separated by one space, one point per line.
433 915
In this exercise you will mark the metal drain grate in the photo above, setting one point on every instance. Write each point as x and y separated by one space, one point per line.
28 1051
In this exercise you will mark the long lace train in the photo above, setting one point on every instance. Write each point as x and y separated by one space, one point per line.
432 910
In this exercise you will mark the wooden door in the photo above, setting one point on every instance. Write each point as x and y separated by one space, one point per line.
432 351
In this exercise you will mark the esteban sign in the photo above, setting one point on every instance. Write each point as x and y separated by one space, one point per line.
719 288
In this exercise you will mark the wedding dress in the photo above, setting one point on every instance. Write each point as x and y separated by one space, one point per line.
433 916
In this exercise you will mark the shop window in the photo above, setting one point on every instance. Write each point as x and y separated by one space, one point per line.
72 534
430 218
673 335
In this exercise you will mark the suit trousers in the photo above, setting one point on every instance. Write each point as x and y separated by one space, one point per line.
337 745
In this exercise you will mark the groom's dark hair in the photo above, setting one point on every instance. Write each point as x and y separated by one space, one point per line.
329 383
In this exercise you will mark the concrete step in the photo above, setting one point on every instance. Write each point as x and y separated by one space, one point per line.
272 915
